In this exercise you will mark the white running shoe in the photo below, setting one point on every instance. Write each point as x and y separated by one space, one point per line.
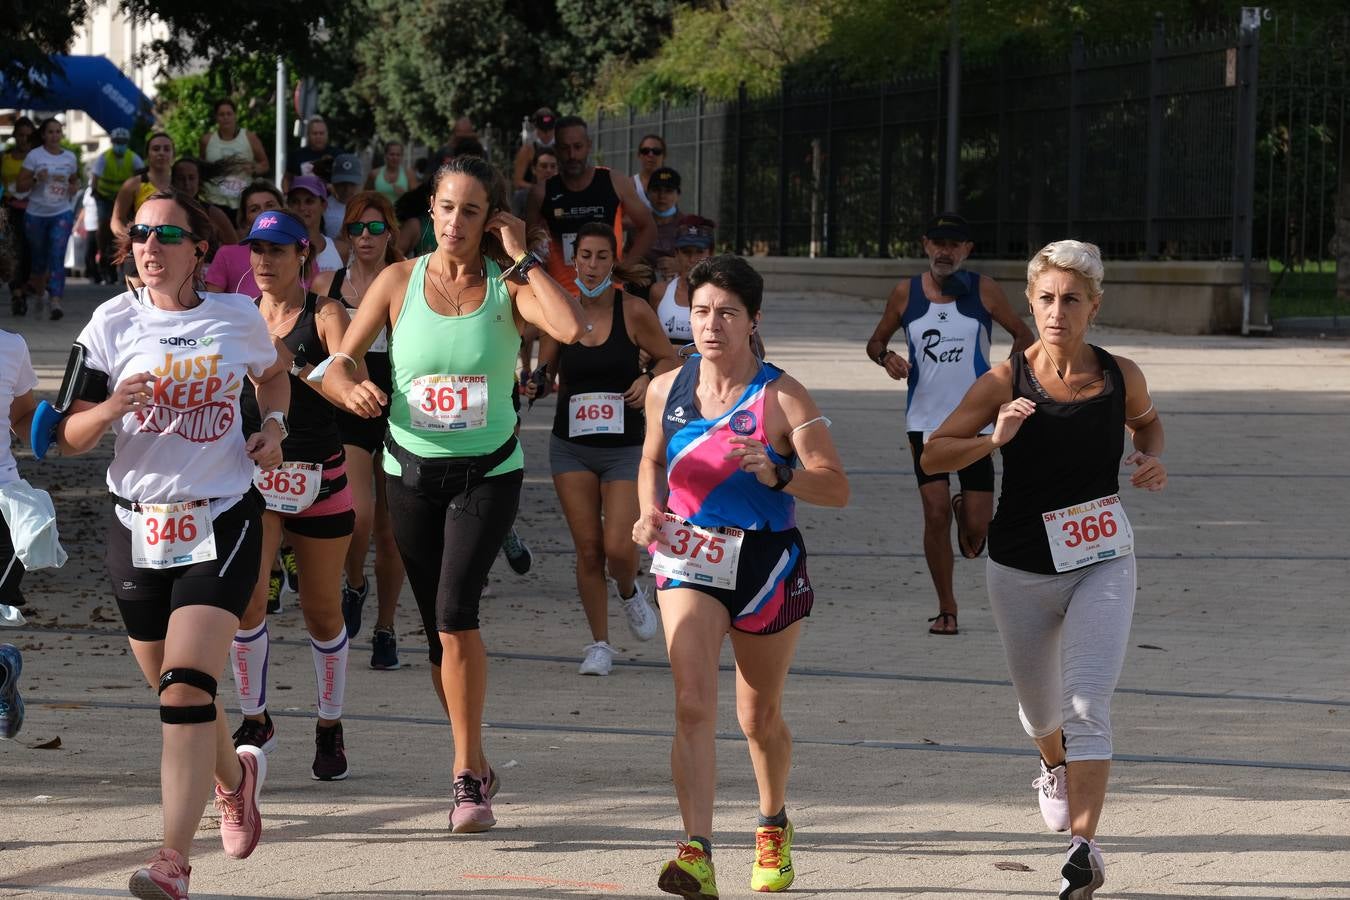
1084 871
599 659
1052 790
642 620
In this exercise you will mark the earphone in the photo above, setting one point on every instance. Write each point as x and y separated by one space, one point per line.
199 253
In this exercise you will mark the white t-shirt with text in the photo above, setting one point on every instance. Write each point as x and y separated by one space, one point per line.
16 379
187 442
53 195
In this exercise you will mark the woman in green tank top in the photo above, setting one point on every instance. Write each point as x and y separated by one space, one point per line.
453 463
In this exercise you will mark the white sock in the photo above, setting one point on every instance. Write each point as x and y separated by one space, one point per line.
248 660
330 671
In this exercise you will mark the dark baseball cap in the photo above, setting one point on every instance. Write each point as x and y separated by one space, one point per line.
347 170
544 118
695 231
664 177
948 226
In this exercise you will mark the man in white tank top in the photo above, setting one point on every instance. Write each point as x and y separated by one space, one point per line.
947 317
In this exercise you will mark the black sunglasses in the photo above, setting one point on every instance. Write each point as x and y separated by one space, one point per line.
167 234
650 151
376 228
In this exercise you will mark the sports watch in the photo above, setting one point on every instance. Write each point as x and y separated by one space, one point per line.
279 417
784 473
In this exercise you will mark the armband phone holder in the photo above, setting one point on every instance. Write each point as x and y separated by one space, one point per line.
79 383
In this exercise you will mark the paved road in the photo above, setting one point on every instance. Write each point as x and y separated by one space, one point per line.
912 776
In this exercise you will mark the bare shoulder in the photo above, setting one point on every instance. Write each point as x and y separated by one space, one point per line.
1129 369
321 283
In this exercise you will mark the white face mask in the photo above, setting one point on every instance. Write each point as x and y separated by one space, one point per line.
598 289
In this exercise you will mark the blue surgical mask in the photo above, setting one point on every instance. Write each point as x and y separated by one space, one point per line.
119 148
597 290
673 211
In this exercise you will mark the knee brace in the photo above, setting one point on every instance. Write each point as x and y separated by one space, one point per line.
188 715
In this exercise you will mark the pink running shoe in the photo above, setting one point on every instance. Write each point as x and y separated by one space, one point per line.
240 819
473 806
1052 790
165 877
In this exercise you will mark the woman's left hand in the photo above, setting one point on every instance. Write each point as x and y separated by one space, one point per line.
637 391
754 458
1151 474
264 449
511 231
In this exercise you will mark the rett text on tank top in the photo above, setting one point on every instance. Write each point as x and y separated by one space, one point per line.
948 351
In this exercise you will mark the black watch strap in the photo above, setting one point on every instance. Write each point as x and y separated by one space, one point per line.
784 473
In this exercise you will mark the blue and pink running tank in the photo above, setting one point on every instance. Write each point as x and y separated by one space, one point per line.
706 488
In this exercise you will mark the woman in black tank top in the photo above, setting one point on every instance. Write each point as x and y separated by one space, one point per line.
598 430
362 438
1061 563
309 501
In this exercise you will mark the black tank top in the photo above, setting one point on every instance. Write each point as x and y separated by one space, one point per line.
566 211
377 361
610 368
312 420
1064 453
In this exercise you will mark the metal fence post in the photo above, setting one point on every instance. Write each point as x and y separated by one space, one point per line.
740 168
1244 167
632 150
698 152
831 171
1005 153
1153 175
1076 59
782 168
884 194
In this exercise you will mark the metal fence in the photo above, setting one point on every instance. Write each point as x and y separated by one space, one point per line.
1302 202
1205 145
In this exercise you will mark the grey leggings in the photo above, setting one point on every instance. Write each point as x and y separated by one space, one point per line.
1065 637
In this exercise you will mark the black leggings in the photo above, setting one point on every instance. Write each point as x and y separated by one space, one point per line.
449 537
11 570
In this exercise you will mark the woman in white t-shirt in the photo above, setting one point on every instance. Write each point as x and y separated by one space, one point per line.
53 175
185 537
17 380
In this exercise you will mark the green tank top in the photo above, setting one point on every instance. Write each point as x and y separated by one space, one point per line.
453 376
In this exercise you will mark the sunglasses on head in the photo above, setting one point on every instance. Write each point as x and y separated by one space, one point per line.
650 151
167 234
376 228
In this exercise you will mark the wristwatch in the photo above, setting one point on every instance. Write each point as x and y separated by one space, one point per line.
519 273
784 473
279 417
880 358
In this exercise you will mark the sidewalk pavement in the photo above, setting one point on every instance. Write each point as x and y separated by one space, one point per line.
911 778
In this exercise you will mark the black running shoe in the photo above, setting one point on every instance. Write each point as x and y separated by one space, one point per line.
253 733
18 305
330 758
1084 871
275 582
56 313
353 603
518 555
384 649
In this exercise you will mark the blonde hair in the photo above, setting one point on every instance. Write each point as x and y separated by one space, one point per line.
1078 257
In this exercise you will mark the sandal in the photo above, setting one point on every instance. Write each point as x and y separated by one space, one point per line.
958 503
938 627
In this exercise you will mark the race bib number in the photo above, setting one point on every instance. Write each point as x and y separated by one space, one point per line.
291 487
165 535
381 342
1085 533
698 555
57 186
595 413
448 402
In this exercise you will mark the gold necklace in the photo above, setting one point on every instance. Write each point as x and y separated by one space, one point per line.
445 294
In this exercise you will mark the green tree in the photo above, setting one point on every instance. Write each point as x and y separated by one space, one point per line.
186 104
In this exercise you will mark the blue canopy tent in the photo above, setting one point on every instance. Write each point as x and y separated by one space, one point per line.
89 83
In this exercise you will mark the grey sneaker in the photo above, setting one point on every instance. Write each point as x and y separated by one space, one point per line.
518 555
